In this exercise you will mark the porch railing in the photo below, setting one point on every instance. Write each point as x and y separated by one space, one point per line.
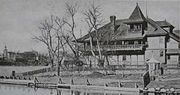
114 47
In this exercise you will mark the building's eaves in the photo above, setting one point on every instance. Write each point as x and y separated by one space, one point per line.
164 23
104 30
177 32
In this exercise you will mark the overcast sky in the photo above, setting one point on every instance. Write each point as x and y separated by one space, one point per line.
19 19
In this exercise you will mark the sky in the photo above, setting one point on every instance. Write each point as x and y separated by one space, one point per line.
20 19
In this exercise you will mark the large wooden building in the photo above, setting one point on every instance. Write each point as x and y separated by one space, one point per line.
134 41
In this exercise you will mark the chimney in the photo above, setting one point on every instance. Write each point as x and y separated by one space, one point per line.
113 23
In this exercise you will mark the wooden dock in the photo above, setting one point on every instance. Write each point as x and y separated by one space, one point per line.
91 88
15 82
29 83
102 88
43 85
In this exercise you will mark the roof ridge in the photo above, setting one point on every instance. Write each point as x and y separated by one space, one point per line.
140 11
156 25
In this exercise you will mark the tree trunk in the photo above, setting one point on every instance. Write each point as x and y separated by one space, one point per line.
91 46
60 64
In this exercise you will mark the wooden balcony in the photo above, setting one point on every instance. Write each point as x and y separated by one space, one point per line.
114 47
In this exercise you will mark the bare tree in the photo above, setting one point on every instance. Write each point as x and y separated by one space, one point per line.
57 32
47 37
61 42
71 10
51 34
93 18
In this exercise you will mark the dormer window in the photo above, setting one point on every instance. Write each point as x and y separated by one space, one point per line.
135 27
138 26
131 27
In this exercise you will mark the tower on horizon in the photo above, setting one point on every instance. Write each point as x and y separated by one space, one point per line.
5 52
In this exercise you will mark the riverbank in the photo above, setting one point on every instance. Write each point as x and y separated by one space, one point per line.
7 70
95 78
166 81
127 79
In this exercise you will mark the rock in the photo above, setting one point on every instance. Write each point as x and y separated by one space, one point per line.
167 89
145 88
151 89
163 90
172 89
158 89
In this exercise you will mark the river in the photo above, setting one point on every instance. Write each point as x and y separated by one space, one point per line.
23 90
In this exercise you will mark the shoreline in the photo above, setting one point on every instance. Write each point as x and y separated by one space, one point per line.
89 87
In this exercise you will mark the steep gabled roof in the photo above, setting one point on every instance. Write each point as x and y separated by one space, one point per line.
136 16
122 31
105 33
160 31
157 31
175 36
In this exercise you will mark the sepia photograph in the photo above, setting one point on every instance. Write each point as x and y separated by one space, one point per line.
89 47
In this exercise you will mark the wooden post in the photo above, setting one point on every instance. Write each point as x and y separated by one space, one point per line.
60 81
179 61
179 56
137 60
72 81
85 46
130 60
118 59
88 83
105 84
120 85
136 86
144 59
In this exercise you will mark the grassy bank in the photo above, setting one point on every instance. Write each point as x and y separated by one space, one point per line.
7 70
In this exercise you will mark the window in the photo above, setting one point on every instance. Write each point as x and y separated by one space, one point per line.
119 43
131 42
111 43
139 42
161 53
126 42
124 57
168 57
122 42
138 26
131 26
134 27
135 42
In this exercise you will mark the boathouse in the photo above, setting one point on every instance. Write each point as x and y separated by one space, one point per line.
133 41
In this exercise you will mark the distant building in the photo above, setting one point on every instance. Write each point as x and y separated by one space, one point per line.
5 53
29 57
133 41
1 57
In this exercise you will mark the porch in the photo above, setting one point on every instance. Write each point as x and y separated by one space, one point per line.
113 47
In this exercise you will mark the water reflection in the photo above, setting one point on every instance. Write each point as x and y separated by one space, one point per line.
23 90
